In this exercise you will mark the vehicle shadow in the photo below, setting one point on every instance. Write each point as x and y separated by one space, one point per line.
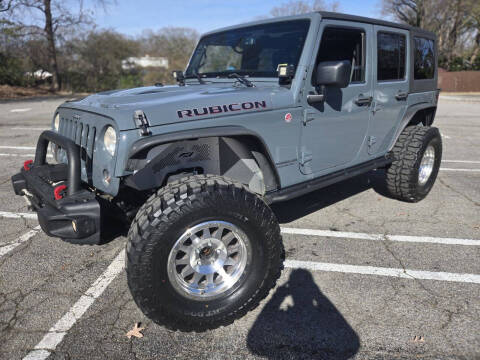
112 227
301 322
291 210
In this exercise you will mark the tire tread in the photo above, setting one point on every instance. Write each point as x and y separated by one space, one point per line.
171 201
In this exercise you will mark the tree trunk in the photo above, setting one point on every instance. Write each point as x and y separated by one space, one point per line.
420 13
476 51
52 50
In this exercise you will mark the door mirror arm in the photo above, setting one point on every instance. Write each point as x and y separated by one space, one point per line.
317 98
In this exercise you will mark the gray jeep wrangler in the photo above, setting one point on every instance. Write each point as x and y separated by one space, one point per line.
264 112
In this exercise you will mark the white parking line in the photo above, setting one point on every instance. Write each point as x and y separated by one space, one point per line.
15 215
28 128
381 271
465 170
18 147
57 332
10 246
380 237
326 233
22 155
33 148
462 161
20 110
50 156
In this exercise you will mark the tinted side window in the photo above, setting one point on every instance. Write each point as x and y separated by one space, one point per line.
344 44
424 59
391 56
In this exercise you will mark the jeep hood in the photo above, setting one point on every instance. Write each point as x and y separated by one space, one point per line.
172 104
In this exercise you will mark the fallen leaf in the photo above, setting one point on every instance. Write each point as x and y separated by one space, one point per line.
418 338
136 331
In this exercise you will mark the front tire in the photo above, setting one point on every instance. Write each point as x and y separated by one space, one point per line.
202 252
417 157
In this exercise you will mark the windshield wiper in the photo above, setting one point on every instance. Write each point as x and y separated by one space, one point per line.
196 76
241 79
199 78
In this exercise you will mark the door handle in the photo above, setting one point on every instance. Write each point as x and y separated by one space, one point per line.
363 100
401 95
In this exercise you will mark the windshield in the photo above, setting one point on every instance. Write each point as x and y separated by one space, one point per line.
250 51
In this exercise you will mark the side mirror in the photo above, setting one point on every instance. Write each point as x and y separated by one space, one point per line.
329 73
333 73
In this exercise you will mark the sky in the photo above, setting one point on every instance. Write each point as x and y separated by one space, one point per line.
131 17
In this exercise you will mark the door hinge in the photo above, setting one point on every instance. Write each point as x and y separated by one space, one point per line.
305 162
307 117
305 157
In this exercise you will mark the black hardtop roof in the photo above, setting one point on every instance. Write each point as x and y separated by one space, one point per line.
347 17
328 15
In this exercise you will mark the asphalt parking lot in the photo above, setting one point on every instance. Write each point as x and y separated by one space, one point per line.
365 277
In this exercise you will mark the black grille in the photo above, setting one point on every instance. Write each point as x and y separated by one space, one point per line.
84 136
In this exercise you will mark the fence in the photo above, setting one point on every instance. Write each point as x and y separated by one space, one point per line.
459 81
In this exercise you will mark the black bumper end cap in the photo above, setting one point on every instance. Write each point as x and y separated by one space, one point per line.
19 183
59 222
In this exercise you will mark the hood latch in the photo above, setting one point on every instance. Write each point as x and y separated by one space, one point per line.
141 122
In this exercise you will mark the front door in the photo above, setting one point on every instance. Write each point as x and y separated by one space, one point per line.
334 131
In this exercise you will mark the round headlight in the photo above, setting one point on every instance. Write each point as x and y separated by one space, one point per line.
110 140
56 122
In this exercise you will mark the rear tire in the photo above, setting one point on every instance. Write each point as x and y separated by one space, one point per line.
417 157
188 226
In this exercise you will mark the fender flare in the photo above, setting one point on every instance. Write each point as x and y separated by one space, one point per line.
407 118
233 136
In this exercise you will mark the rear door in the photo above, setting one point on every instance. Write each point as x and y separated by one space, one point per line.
333 132
391 86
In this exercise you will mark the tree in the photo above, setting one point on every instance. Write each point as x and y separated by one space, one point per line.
410 12
94 63
57 18
296 7
176 44
5 5
475 24
454 22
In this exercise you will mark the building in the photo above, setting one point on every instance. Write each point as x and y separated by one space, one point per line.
144 62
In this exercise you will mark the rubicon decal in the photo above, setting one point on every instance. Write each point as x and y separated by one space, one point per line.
217 109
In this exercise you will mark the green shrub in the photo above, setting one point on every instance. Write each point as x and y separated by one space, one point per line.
130 80
11 72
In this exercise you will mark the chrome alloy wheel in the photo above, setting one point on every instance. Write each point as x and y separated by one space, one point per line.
208 259
426 165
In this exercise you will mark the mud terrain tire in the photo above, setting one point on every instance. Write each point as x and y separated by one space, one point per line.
404 177
155 233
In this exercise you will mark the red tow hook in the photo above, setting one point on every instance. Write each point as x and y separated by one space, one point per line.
58 190
26 165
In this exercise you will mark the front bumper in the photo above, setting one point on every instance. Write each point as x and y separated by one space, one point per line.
75 217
